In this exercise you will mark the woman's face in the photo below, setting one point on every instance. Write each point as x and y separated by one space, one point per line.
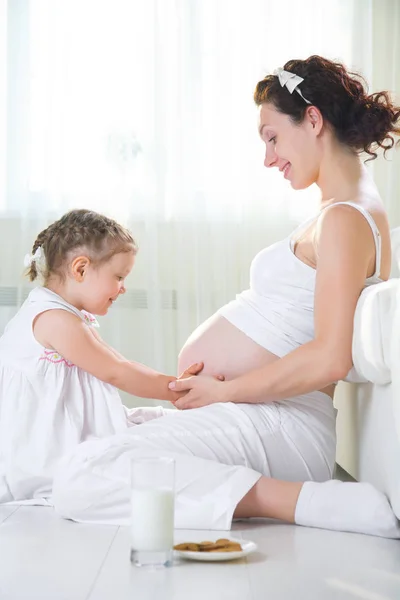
293 149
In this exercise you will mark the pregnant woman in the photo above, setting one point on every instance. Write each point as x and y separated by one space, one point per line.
262 443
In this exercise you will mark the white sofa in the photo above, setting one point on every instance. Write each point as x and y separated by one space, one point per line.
368 439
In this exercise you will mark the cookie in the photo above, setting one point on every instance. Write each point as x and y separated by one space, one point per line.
221 545
206 546
187 546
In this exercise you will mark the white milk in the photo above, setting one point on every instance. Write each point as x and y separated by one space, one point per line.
152 519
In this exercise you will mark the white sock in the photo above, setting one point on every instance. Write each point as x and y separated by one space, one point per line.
346 506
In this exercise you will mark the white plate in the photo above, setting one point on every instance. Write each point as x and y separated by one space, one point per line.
247 546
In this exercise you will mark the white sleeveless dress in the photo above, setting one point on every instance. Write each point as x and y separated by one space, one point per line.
48 405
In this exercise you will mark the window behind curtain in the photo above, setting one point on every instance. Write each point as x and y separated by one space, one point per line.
145 108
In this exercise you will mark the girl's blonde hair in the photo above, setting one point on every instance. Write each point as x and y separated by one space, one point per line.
93 234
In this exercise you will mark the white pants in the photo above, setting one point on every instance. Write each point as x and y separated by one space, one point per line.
220 451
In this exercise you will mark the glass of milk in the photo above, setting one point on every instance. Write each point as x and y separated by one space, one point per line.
152 501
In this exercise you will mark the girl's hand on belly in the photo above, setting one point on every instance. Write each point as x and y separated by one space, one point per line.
201 391
194 369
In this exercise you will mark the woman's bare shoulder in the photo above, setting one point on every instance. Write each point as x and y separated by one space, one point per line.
345 216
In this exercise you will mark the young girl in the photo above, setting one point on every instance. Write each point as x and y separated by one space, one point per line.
58 378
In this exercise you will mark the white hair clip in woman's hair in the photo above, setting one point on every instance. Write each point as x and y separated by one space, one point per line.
38 258
290 81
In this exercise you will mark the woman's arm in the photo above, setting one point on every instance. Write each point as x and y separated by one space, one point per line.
346 250
74 340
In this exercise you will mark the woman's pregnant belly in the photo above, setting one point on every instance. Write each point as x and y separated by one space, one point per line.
225 350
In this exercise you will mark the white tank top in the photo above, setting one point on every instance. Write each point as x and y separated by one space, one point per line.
277 311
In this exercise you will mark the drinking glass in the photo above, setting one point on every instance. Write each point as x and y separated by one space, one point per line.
152 501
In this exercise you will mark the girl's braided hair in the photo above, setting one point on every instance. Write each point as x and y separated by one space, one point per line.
97 236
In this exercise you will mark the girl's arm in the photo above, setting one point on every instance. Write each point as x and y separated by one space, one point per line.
100 339
68 335
194 369
346 252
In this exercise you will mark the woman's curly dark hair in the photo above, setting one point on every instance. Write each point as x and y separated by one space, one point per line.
361 121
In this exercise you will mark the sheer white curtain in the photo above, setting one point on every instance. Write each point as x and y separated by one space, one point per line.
143 109
375 52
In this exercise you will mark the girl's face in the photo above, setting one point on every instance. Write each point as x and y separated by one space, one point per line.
294 149
102 285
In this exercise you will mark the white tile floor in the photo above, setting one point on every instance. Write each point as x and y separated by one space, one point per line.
43 557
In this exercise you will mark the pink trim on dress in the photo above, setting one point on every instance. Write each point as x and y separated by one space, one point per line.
90 319
55 358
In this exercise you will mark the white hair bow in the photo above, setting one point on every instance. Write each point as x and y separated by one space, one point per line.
38 258
291 81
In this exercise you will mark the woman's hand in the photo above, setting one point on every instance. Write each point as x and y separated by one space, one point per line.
200 391
194 369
